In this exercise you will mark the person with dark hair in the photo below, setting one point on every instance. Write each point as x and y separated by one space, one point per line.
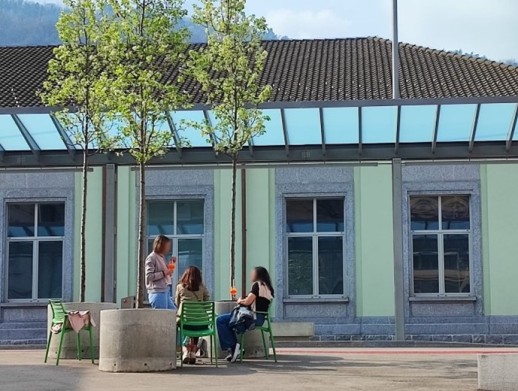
158 275
191 288
259 299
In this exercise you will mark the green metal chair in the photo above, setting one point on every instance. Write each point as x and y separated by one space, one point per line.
265 328
60 315
199 316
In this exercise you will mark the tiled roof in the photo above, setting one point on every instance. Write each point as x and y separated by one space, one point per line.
312 70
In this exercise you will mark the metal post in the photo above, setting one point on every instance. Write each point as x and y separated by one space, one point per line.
109 232
397 221
395 52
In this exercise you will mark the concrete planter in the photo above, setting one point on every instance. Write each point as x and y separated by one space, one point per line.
69 343
137 340
253 342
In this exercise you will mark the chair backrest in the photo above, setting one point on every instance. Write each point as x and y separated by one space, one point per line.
197 314
58 310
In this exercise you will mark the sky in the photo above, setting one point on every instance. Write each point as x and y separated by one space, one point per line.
485 27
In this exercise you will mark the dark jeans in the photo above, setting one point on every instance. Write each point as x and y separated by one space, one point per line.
227 336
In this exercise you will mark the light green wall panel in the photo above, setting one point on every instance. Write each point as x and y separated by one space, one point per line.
222 214
93 235
374 248
500 238
126 233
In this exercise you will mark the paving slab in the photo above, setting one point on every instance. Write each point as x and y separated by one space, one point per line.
298 369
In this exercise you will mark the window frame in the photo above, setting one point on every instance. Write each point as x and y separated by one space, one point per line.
440 233
314 235
35 240
175 237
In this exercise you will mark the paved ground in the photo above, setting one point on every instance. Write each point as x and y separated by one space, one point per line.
298 369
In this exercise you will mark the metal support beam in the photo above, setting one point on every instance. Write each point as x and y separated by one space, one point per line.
207 118
109 226
436 128
26 135
474 129
176 136
398 129
360 131
510 136
285 132
63 134
322 130
397 221
251 147
395 51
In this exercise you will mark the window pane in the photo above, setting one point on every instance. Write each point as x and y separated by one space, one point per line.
455 212
300 266
160 218
330 266
50 270
21 220
424 213
330 215
51 220
189 217
426 265
456 263
299 215
190 253
20 270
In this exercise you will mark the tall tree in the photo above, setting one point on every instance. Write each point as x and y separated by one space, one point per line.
78 85
146 43
229 70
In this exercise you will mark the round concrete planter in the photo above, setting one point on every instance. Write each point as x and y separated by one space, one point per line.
138 340
69 343
253 342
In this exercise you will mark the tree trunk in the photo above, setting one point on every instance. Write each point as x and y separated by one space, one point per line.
82 250
233 225
142 248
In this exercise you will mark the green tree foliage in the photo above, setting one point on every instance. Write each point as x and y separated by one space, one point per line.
146 42
78 85
228 70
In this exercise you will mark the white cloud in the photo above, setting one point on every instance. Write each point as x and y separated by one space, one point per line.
293 23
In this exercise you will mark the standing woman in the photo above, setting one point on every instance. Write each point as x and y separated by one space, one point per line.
158 275
191 288
259 299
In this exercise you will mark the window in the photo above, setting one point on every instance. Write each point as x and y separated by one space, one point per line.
183 222
315 246
441 244
35 234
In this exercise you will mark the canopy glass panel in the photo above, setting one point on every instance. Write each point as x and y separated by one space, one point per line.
341 125
43 131
11 138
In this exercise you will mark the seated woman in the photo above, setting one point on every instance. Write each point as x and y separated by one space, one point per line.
191 288
259 298
158 275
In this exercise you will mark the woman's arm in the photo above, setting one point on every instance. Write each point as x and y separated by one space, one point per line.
247 301
206 295
151 273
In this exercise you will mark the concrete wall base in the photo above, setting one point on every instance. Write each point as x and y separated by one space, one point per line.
69 349
137 340
497 372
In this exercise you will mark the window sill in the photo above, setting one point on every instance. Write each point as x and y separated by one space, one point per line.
24 304
343 300
439 299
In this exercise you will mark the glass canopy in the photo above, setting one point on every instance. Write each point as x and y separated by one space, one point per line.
472 122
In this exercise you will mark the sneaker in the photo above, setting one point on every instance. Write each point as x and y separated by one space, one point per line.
229 356
235 355
192 358
186 358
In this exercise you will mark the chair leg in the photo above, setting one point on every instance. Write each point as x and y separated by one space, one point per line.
215 349
241 347
273 345
48 347
264 345
79 347
60 345
91 345
181 349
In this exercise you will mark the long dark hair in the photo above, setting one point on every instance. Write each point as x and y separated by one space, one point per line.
264 276
191 279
